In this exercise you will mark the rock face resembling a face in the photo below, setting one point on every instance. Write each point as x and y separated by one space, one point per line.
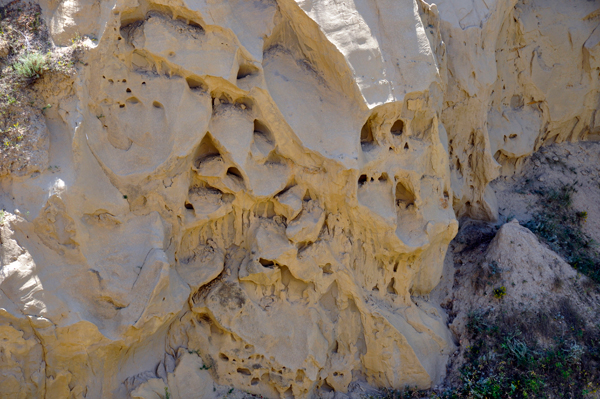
249 197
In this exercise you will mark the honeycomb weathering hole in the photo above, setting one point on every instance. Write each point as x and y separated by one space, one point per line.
404 195
207 149
263 132
234 172
244 103
195 25
366 135
244 371
195 84
266 262
397 128
246 70
390 288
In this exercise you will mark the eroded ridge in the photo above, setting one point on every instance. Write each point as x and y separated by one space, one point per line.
258 195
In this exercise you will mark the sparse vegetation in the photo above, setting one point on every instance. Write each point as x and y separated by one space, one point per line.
31 65
523 354
560 226
499 292
28 62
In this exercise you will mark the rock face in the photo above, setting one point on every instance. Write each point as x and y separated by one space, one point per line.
259 194
520 74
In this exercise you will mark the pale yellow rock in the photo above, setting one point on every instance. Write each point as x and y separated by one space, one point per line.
519 75
258 195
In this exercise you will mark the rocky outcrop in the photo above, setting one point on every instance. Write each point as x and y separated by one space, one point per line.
520 74
258 195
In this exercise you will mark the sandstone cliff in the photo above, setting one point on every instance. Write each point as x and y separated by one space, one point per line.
258 195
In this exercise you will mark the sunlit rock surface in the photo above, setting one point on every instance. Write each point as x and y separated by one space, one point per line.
256 194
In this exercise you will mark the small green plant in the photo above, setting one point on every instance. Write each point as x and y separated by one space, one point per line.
2 215
31 65
76 39
582 216
499 292
167 394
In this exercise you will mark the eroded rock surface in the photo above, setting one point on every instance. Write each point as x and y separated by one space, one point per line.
259 194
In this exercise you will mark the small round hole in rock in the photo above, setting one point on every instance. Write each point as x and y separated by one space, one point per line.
260 129
397 128
189 206
362 180
367 139
195 84
246 70
244 103
266 263
404 195
234 172
390 287
244 371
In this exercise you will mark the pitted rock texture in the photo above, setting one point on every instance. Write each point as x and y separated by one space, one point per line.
520 74
259 194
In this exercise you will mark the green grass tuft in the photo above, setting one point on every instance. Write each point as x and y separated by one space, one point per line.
31 65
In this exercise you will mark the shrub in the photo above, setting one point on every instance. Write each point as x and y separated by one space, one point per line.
500 292
31 65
